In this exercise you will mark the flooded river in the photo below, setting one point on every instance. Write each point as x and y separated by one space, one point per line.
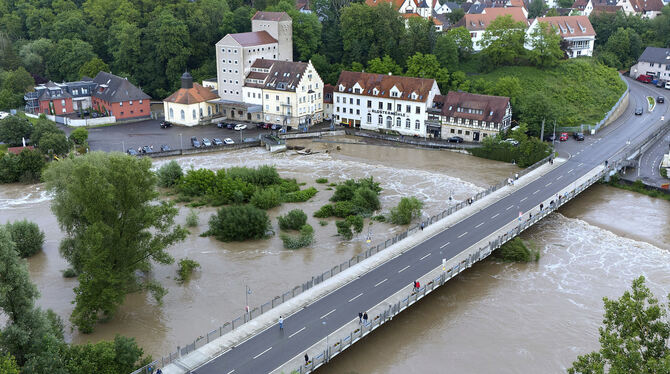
493 318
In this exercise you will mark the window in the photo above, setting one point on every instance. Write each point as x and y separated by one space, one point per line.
398 122
467 133
267 97
200 112
381 105
182 114
358 101
351 111
209 111
389 106
369 103
418 109
369 118
171 113
249 94
267 107
417 125
389 121
394 94
358 111
407 123
460 132
337 109
277 97
453 131
398 108
277 109
193 113
235 62
338 99
120 103
62 103
408 109
121 112
140 101
351 100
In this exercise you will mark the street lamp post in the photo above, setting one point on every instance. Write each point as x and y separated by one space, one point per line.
181 143
123 146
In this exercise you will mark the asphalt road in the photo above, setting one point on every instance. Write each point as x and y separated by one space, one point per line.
271 348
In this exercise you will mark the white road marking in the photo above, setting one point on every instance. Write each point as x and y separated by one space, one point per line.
381 282
524 198
403 269
536 192
231 371
260 354
510 207
580 164
326 315
570 171
559 177
548 184
495 215
479 224
355 297
444 245
424 257
463 234
290 336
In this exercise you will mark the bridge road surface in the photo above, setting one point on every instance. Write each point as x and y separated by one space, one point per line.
271 348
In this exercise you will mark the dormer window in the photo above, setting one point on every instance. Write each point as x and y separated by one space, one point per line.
375 92
394 94
341 88
357 90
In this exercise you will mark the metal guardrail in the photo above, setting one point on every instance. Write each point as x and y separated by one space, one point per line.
319 278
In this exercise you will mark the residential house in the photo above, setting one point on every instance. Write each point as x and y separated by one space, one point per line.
119 98
286 92
428 9
211 83
653 61
303 6
476 24
328 102
576 30
470 116
54 99
384 102
644 8
60 98
190 104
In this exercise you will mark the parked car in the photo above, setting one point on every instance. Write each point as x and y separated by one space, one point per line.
660 99
667 85
550 137
165 148
644 78
206 142
455 139
217 141
195 142
147 149
165 124
228 141
578 136
660 83
276 127
511 141
563 137
230 126
266 125
639 111
221 125
249 140
240 126
131 151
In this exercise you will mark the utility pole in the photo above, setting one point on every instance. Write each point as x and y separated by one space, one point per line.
553 139
542 131
181 143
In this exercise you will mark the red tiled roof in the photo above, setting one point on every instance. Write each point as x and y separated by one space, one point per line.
580 4
475 22
570 26
606 8
17 150
248 39
492 108
193 95
384 83
395 3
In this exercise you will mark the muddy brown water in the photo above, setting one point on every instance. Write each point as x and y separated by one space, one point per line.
495 317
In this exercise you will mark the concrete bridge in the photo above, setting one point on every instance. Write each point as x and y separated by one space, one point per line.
321 319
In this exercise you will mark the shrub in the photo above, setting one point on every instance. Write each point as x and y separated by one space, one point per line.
344 209
169 174
305 238
344 227
192 218
262 176
516 251
79 136
238 223
664 172
379 218
322 180
69 273
288 185
365 200
344 192
325 211
186 268
266 198
323 222
293 220
300 196
197 182
408 209
27 237
333 184
226 190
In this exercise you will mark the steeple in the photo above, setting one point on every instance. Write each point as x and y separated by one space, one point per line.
186 80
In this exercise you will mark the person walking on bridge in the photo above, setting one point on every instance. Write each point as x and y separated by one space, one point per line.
365 317
281 323
360 317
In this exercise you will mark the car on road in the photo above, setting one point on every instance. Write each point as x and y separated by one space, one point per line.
550 137
276 127
131 151
511 141
563 137
221 125
147 149
644 78
266 125
206 142
240 126
195 142
228 141
660 99
578 136
660 83
230 126
455 139
217 141
667 85
639 111
165 124
165 148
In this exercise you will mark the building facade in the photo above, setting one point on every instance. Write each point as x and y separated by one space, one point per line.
576 30
328 102
470 116
60 98
476 24
119 98
271 38
287 93
653 61
384 102
190 106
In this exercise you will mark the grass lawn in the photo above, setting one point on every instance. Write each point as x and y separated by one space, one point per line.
651 101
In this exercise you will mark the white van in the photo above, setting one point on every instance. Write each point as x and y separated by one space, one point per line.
667 85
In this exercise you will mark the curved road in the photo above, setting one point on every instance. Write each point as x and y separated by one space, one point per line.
270 349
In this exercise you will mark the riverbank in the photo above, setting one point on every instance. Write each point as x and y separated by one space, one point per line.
639 187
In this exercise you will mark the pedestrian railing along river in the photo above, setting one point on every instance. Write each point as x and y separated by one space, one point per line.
278 300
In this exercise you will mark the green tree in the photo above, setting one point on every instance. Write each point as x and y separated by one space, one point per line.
565 3
408 209
536 8
42 127
8 364
427 66
461 36
384 66
633 338
92 67
306 30
34 55
293 220
369 32
546 43
79 136
27 237
124 46
18 81
507 87
420 36
503 41
106 204
66 58
53 143
169 174
446 52
238 223
456 15
69 25
14 129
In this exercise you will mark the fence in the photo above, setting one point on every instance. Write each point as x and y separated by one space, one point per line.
319 278
424 142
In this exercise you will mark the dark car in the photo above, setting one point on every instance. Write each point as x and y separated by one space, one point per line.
131 152
455 139
94 115
660 99
578 136
221 125
147 149
639 111
195 142
165 124
217 141
660 83
550 138
230 126
276 127
165 148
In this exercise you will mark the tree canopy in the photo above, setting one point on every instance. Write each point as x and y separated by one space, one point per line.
503 41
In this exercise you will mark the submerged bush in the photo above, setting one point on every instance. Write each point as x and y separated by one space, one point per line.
516 251
344 228
266 198
186 268
300 196
169 174
238 223
192 218
27 237
293 220
408 209
305 238
321 180
325 211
